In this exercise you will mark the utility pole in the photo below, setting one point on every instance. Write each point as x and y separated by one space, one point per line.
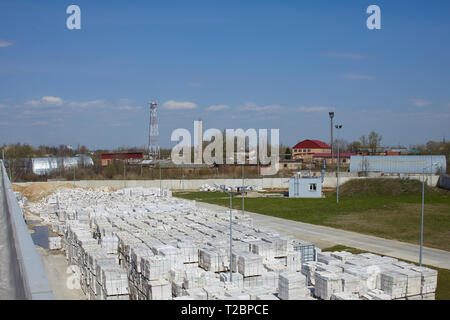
338 127
182 176
243 189
423 204
331 114
160 181
124 173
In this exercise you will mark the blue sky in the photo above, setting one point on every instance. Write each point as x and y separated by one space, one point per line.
234 64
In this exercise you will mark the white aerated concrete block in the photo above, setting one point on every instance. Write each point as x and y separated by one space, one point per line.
292 286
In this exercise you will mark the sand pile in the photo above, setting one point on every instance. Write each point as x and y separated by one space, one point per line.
39 190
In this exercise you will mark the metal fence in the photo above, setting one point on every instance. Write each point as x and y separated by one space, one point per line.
398 164
24 277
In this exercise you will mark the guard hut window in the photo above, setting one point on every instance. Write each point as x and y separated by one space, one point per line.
312 187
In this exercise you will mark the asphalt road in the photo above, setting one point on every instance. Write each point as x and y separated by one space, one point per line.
324 237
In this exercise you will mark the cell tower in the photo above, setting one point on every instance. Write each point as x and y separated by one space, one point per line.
153 144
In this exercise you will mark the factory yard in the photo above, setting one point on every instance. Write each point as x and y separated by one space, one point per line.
135 244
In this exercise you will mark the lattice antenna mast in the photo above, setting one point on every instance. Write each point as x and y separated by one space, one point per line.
153 143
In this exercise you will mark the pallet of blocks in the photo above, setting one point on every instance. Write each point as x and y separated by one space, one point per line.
394 283
158 290
250 264
292 286
327 284
54 243
428 279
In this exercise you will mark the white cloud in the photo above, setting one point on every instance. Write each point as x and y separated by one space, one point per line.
177 105
217 107
86 104
354 76
4 44
316 109
127 108
194 84
251 106
420 102
344 55
47 101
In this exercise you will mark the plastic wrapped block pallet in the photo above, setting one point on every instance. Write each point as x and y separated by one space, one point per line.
213 259
294 261
350 283
279 244
189 251
394 283
308 269
250 264
428 279
343 256
158 290
237 278
154 268
110 244
326 258
54 243
413 284
274 265
292 286
327 284
115 282
139 251
270 281
194 278
173 255
263 248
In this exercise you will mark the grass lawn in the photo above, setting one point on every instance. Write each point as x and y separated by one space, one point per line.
387 208
443 287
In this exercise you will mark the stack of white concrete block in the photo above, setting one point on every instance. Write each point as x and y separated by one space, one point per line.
292 286
428 279
110 244
327 284
294 261
169 248
155 267
158 290
394 283
237 278
54 243
250 264
214 259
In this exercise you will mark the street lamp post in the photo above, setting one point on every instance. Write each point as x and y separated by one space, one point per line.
231 229
338 127
243 195
331 114
423 204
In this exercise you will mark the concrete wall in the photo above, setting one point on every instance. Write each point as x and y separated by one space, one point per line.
21 268
267 183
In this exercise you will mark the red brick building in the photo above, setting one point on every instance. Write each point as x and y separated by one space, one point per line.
306 150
